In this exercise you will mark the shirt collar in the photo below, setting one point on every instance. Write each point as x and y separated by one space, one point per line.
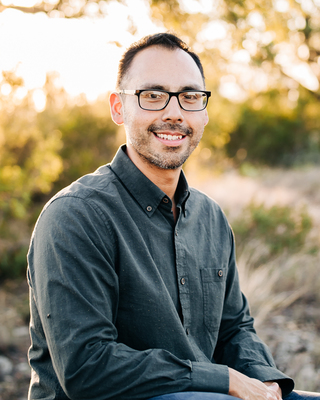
146 193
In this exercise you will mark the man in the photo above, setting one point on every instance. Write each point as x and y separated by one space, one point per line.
134 290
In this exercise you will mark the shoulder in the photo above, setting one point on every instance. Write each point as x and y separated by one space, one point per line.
91 190
86 199
88 186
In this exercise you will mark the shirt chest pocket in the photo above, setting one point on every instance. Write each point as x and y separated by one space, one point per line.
213 287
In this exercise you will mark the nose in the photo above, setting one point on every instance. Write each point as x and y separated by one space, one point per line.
173 111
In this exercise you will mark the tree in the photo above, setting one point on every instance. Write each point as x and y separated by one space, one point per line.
249 48
40 152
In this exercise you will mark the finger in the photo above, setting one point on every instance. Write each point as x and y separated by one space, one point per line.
275 390
272 395
274 386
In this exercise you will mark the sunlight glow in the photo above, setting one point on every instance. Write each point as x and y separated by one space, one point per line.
294 67
297 23
241 56
303 74
214 30
20 3
6 89
85 52
197 6
232 91
39 99
255 19
303 52
281 5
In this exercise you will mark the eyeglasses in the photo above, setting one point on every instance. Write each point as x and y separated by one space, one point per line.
156 100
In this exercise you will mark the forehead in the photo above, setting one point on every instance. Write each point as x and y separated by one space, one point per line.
158 66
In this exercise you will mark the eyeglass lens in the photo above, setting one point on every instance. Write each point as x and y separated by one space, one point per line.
189 101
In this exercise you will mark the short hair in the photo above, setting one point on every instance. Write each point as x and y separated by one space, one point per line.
166 40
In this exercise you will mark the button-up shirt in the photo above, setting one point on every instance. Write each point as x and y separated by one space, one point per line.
126 303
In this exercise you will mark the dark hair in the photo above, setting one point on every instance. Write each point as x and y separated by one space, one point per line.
167 40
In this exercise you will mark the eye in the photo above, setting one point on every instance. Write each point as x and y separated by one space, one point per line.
153 95
191 96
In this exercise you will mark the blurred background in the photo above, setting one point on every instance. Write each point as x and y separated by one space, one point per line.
259 157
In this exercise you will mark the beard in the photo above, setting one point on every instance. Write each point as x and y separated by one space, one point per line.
171 157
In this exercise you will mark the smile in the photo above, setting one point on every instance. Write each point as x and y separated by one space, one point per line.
168 137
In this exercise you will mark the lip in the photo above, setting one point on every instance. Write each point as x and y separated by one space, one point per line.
172 143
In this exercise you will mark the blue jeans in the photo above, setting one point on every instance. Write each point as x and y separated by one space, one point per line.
296 395
195 396
302 395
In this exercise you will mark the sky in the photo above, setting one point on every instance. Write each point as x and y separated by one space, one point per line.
82 51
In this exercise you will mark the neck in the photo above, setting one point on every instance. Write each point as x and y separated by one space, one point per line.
166 179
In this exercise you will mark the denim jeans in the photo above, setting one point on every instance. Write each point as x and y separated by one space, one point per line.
295 395
302 395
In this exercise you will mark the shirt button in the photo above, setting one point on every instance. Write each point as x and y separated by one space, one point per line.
165 200
176 233
187 331
182 281
149 208
220 273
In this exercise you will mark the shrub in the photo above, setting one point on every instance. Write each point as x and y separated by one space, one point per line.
279 227
269 132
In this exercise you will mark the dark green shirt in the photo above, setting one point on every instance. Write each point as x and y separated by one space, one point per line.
128 304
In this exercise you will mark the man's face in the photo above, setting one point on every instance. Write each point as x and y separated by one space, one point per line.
167 137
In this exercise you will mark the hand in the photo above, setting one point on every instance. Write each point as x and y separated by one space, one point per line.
274 386
252 389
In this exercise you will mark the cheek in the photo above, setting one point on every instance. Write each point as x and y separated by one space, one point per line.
138 117
198 120
199 125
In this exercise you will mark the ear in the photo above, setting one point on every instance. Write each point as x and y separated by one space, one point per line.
206 117
116 108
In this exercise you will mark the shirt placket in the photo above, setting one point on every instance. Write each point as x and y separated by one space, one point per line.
183 278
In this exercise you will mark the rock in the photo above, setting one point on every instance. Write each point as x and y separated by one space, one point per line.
23 369
21 331
6 366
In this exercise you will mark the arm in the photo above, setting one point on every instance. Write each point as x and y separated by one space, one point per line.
252 389
74 285
238 346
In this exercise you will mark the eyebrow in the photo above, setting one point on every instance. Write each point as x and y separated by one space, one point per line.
161 87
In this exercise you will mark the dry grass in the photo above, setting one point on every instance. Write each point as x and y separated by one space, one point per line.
283 289
279 283
283 279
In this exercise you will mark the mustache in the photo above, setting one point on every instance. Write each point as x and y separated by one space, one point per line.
170 127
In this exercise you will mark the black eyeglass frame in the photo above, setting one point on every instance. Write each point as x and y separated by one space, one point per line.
171 94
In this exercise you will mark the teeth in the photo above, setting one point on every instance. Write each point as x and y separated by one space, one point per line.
168 137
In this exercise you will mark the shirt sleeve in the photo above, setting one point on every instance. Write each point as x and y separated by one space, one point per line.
238 345
75 292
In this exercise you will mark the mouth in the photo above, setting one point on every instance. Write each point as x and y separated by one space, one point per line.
168 137
173 139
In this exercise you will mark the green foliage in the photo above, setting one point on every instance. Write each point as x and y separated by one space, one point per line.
88 136
279 227
28 156
40 152
271 133
13 262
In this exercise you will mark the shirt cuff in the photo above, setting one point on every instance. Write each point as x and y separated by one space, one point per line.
206 377
270 374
